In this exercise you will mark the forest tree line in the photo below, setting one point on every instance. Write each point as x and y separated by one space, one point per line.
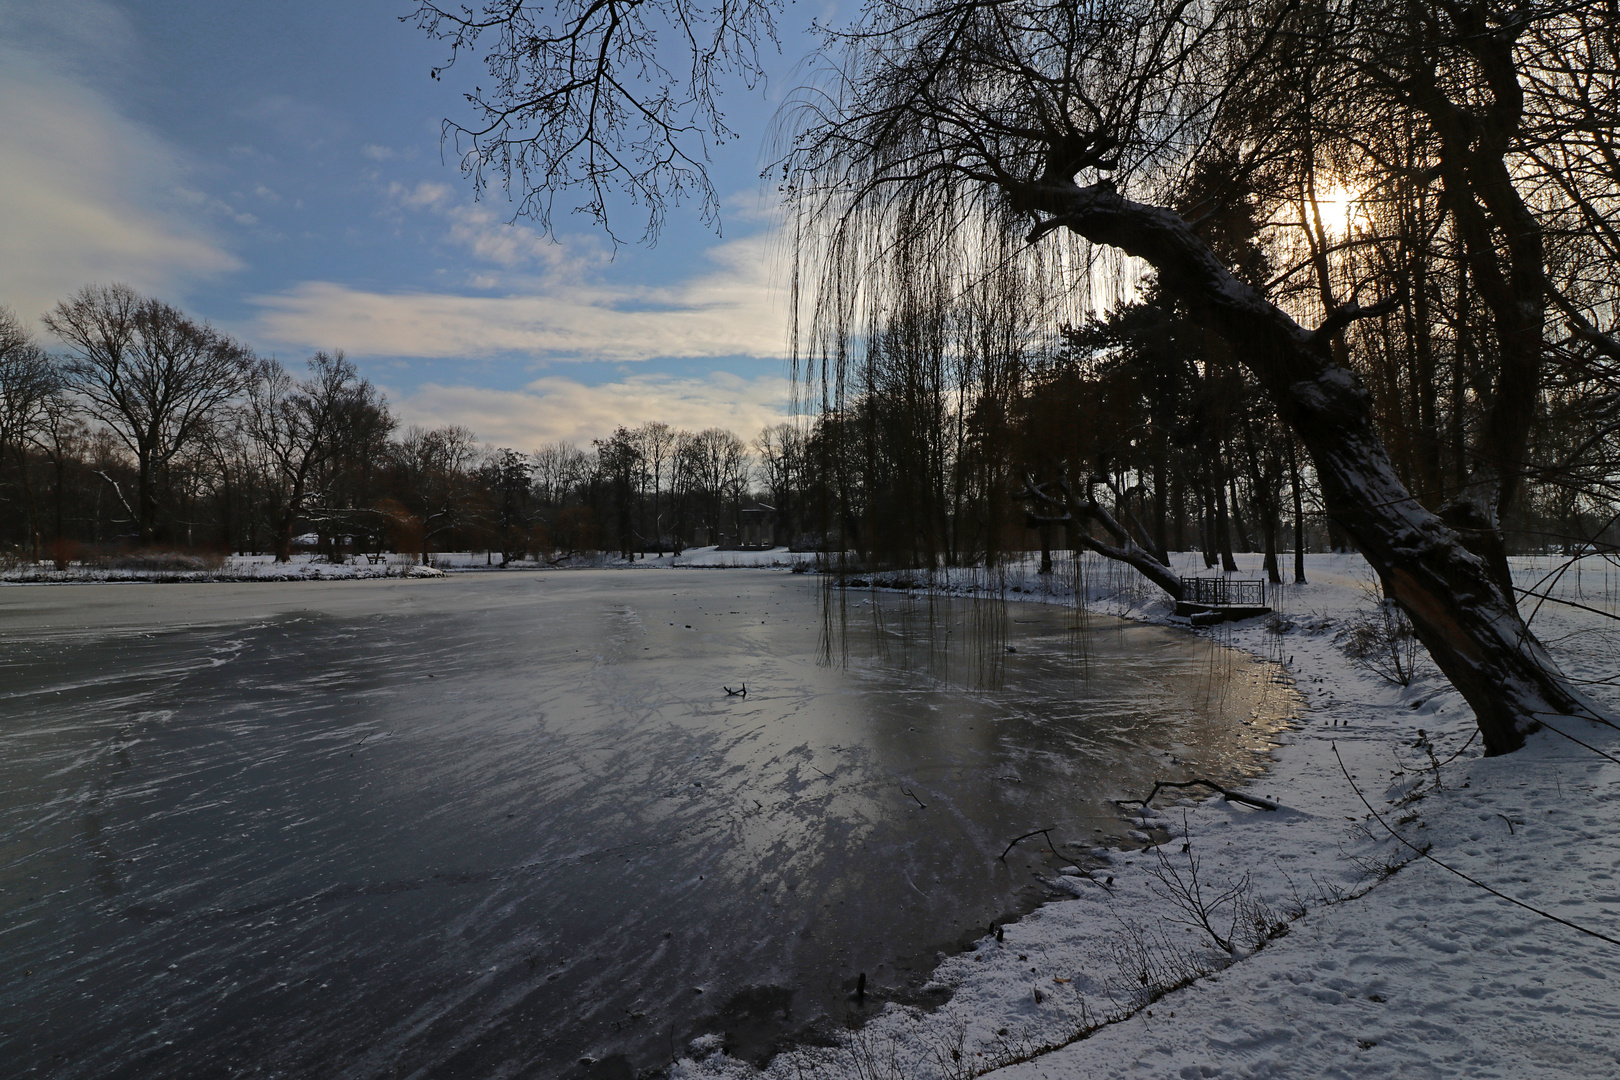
149 428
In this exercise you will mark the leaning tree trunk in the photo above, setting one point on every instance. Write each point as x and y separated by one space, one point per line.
1471 628
1066 507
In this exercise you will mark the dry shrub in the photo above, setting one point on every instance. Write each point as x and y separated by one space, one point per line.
1381 640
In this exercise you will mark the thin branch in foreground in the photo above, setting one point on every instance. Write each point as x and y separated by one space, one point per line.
1424 852
1566 603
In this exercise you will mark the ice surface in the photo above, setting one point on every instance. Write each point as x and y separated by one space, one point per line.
510 823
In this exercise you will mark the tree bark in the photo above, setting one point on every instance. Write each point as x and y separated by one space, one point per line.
1472 630
1269 524
1207 527
1299 515
1161 468
146 503
1223 527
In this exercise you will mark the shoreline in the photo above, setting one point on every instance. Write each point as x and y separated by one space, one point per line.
1359 984
306 567
1072 861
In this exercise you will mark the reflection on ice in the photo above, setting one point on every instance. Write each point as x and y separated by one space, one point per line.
512 821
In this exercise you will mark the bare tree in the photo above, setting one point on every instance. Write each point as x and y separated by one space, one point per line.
782 449
658 441
715 464
622 465
509 476
152 375
434 478
298 429
559 470
30 391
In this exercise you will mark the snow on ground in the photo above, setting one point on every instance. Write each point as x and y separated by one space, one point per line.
779 558
177 568
1388 965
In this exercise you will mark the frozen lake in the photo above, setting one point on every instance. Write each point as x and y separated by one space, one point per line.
511 825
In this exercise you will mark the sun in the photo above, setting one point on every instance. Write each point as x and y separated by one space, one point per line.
1336 205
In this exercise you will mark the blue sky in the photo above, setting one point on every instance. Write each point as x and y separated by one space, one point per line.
275 168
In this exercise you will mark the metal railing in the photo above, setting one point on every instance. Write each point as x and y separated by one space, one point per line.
1223 591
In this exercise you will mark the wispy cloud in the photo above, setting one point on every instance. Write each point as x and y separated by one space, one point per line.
524 295
89 195
556 407
702 321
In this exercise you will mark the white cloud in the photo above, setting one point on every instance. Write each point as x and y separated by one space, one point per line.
551 300
479 231
376 152
732 311
482 235
425 195
557 407
86 195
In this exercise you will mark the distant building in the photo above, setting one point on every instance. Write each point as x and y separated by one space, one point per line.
758 521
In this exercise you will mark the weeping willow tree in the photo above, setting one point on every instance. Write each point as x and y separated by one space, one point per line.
912 411
951 143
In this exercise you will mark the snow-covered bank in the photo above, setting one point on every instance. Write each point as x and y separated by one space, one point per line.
707 558
165 567
1389 965
185 568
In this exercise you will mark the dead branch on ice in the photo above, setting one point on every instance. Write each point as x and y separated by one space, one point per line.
1047 832
1226 793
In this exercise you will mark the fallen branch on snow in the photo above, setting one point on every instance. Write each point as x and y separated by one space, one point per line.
1226 793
